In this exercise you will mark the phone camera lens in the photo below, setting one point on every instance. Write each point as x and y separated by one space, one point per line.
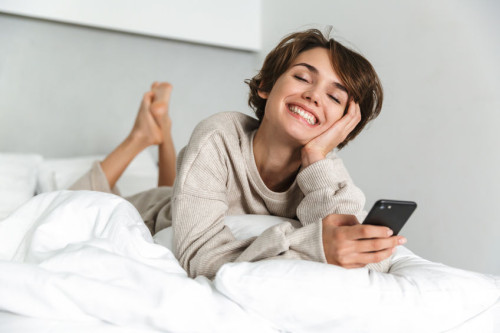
382 207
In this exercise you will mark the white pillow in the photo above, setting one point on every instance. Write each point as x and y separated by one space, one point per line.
140 175
303 296
61 173
18 173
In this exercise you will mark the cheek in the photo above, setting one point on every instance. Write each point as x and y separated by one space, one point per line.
276 95
335 113
285 87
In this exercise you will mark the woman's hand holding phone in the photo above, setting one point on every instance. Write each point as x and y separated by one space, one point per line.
349 244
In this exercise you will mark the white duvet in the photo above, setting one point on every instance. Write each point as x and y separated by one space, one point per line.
87 256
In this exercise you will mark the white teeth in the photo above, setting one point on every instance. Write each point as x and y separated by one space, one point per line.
311 120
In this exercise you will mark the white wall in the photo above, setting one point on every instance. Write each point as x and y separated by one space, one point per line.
68 90
195 21
437 140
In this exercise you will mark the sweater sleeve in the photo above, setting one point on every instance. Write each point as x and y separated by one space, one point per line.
202 241
329 189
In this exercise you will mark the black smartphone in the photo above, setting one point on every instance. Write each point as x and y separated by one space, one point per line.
390 213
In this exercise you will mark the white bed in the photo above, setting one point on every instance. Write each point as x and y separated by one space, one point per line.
84 261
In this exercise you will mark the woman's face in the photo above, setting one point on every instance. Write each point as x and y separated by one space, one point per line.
307 99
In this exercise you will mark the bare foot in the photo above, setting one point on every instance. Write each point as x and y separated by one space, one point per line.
159 105
146 131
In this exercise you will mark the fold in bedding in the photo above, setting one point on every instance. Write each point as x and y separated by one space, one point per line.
88 257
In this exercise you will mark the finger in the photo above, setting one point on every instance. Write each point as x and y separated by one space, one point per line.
366 231
342 123
348 122
373 257
351 222
378 244
351 111
355 118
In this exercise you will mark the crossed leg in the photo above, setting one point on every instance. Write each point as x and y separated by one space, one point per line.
152 126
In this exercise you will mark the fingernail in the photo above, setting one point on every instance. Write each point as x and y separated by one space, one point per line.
389 232
402 240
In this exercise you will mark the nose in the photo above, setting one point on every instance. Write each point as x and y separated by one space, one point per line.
312 96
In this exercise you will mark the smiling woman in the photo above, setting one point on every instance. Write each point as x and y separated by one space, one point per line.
312 95
308 91
353 75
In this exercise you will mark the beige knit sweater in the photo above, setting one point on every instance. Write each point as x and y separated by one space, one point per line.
217 176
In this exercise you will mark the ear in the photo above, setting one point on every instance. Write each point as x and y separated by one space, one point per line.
262 94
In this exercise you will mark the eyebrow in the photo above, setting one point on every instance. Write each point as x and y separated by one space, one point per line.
315 71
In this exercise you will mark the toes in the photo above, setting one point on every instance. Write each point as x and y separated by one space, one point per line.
164 86
147 98
162 91
147 95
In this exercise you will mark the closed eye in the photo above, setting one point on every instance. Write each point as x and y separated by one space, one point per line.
300 78
335 99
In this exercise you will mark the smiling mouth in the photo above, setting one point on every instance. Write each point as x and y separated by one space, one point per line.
307 116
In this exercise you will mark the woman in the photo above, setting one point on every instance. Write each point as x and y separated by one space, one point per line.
311 96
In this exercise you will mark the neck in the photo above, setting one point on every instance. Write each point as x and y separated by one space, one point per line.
277 161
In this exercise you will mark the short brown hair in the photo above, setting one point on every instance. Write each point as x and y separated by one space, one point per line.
356 73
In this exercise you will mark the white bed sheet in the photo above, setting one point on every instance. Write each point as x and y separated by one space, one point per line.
495 312
12 323
86 256
487 322
70 260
